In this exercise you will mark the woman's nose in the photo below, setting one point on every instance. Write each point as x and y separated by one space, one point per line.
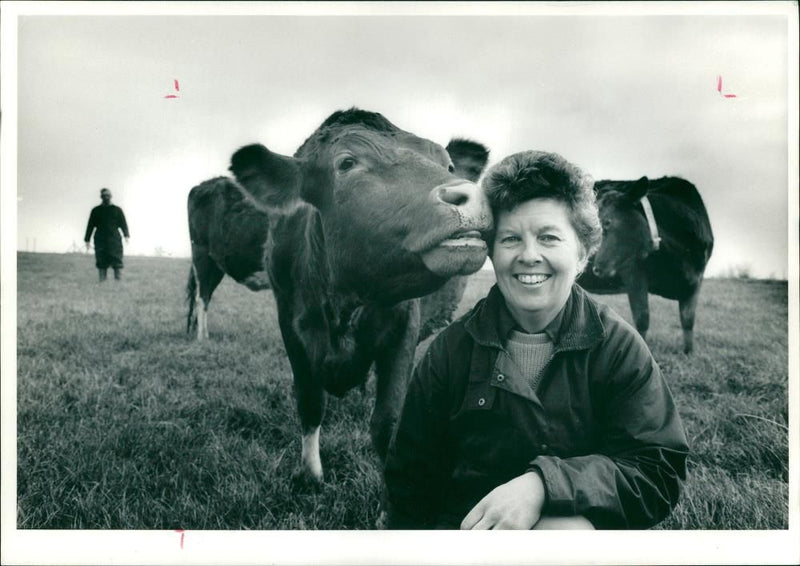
530 254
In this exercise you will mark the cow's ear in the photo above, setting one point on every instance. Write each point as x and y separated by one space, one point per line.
273 181
639 189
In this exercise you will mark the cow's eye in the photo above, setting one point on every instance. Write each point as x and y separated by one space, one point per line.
451 168
345 164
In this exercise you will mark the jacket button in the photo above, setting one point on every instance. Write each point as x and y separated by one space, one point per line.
481 402
544 447
500 377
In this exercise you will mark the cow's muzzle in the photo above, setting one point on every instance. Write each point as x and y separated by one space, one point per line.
609 272
468 200
461 249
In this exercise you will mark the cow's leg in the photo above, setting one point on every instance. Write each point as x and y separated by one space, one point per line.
687 307
310 400
640 310
202 317
636 284
393 364
436 310
191 299
207 276
311 464
305 357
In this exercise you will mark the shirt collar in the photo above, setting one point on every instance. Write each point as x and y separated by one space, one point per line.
577 326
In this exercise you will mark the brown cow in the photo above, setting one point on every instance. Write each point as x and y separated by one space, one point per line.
228 234
363 220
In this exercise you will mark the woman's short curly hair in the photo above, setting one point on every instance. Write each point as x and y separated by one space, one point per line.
537 174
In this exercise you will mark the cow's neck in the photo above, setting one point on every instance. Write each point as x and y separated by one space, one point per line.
299 258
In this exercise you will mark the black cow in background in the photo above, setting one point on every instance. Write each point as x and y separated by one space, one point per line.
665 255
469 158
228 234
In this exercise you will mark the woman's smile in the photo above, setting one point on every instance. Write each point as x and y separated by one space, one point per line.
532 279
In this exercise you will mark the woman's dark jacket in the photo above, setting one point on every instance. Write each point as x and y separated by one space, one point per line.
601 426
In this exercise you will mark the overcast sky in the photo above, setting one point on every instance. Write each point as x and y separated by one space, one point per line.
620 96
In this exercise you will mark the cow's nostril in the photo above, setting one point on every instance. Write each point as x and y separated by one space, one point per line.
453 196
595 270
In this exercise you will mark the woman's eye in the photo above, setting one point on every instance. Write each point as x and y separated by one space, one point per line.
549 238
346 163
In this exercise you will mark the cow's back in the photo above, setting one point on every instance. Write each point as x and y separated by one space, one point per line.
202 201
682 217
224 225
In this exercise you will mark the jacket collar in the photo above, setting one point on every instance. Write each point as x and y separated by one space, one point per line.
576 327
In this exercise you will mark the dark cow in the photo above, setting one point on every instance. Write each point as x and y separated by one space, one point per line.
666 255
228 234
469 158
363 220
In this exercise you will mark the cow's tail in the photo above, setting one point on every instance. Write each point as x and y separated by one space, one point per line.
191 298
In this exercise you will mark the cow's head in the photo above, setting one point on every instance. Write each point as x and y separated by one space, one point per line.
397 221
626 235
469 158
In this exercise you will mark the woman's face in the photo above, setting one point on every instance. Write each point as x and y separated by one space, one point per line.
536 256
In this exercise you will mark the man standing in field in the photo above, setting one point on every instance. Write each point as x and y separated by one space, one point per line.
106 220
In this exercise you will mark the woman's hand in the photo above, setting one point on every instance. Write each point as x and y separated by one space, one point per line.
516 504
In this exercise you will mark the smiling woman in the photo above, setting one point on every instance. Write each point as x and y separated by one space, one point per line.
540 408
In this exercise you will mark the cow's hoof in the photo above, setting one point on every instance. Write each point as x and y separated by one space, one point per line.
303 481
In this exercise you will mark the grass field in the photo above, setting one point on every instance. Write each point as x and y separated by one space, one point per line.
124 422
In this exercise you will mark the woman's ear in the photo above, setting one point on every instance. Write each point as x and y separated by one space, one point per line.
583 259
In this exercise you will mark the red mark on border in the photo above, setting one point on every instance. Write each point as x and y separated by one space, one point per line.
719 88
182 532
177 89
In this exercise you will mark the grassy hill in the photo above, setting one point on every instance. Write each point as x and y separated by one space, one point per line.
125 422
